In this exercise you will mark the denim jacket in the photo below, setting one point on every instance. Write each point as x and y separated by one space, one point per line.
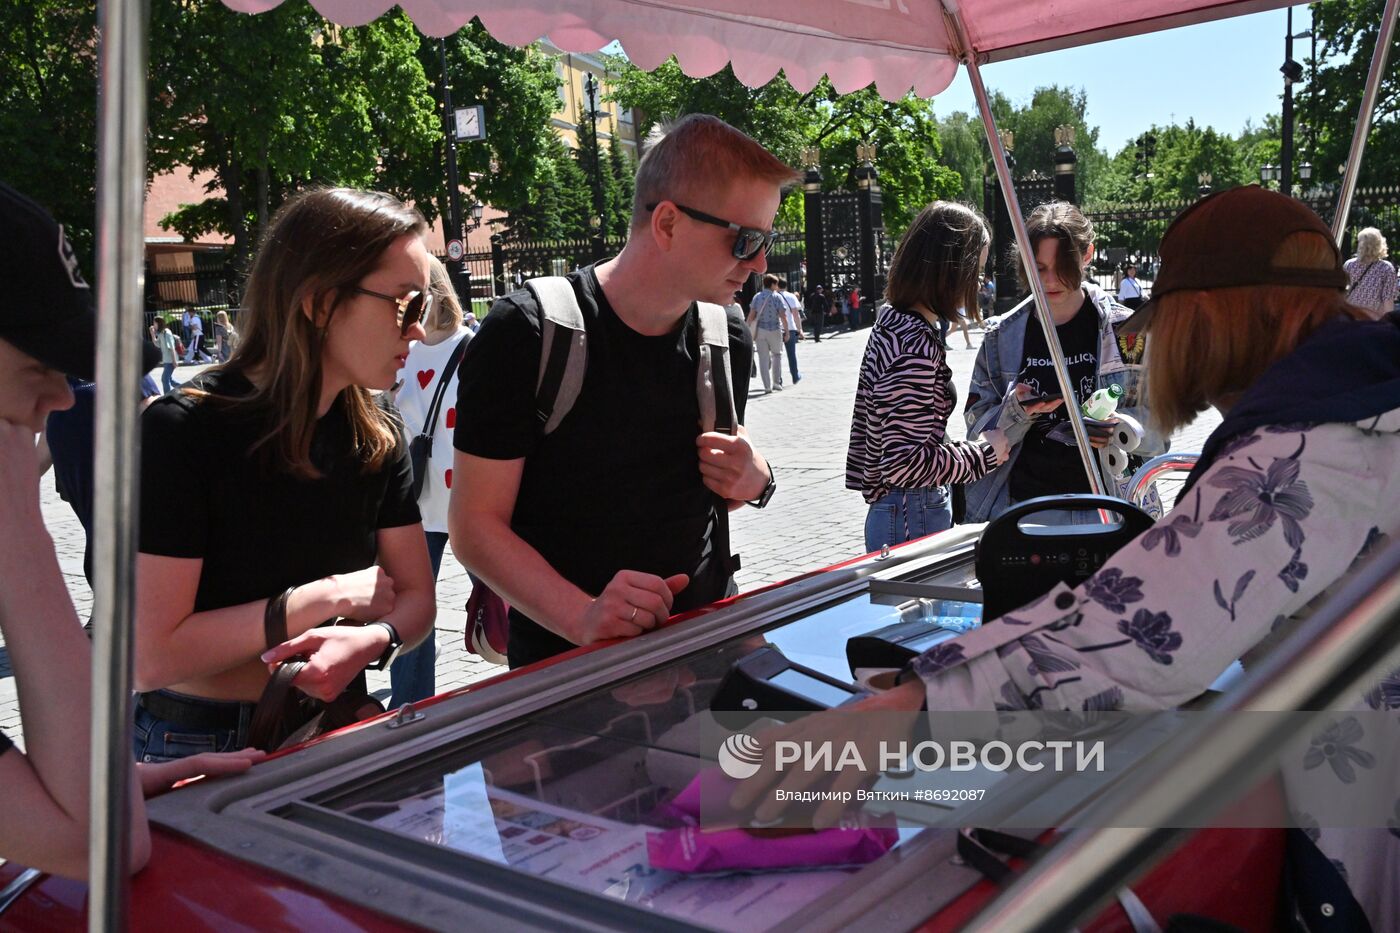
999 363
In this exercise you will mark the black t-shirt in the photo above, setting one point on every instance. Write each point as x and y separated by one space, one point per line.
1046 467
617 485
5 743
260 529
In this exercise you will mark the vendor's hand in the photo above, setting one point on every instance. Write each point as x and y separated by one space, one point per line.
334 655
1001 447
632 603
1100 432
898 711
1024 392
365 595
157 777
730 466
19 478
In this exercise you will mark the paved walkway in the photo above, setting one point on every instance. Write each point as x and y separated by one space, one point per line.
812 522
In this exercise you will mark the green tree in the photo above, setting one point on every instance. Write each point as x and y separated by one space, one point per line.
48 110
1179 156
558 203
965 151
1033 125
622 175
1330 96
904 131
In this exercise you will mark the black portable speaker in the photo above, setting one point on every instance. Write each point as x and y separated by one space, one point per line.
1016 565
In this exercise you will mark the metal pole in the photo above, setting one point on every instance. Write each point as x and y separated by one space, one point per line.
453 228
121 188
1348 645
1286 149
1018 223
1385 35
600 207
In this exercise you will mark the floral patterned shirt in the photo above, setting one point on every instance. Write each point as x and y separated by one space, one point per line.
1280 516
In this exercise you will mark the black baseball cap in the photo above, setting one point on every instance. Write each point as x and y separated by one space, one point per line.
1228 239
46 307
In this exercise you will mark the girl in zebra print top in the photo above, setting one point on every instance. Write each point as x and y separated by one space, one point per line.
899 456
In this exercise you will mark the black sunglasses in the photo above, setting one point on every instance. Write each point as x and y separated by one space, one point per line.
412 307
748 241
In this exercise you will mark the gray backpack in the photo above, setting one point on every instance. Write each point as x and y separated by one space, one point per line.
564 358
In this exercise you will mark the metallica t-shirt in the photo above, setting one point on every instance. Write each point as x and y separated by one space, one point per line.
1046 467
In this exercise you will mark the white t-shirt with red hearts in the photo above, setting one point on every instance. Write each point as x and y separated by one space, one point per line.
420 378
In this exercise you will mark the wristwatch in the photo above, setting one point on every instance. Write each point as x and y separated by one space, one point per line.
391 651
768 490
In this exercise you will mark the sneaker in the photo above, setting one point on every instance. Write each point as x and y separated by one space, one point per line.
778 388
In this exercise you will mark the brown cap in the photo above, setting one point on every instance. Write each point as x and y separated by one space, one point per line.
1229 239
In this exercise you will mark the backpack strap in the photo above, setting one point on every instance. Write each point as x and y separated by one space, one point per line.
563 349
434 407
713 385
715 391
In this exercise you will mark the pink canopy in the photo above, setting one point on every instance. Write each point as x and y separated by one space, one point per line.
895 44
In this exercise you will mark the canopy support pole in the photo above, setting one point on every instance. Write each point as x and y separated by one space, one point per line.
121 189
1385 35
968 55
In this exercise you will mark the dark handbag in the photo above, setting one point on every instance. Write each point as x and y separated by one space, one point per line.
488 623
420 448
285 716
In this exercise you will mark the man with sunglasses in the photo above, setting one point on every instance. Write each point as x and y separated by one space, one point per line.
614 521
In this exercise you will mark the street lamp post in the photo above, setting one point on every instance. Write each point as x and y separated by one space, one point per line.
1203 180
1292 72
452 229
600 208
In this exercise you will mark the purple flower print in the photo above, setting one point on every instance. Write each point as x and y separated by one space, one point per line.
1336 745
1153 634
1171 533
938 659
1110 589
1294 573
1256 499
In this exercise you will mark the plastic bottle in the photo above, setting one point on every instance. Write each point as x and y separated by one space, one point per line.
1102 404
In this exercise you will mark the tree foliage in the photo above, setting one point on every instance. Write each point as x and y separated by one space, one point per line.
1329 98
786 122
48 110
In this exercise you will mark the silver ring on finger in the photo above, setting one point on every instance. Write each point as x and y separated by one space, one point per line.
633 616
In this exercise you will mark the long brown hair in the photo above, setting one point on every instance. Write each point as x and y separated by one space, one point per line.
319 245
1065 223
937 263
1206 345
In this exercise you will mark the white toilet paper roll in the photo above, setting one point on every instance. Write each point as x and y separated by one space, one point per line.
1115 461
1127 433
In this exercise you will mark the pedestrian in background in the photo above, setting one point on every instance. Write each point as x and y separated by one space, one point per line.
792 318
899 457
305 511
194 339
1130 290
166 343
767 318
818 306
1372 279
431 372
225 337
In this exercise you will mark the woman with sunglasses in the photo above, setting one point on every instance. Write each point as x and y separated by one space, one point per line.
308 514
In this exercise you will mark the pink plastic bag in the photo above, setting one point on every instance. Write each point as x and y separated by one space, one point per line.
692 849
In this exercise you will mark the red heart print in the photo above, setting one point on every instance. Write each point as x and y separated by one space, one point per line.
451 418
425 376
448 477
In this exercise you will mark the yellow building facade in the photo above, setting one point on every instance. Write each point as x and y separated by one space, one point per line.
573 69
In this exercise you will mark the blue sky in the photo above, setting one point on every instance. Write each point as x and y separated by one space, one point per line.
1221 74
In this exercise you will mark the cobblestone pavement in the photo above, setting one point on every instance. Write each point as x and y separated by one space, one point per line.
812 522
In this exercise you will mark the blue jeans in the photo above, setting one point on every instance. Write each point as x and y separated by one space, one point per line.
905 514
792 356
167 370
411 676
156 739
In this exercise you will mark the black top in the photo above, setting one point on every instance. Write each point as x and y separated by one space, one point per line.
260 529
1046 467
617 485
5 743
70 438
